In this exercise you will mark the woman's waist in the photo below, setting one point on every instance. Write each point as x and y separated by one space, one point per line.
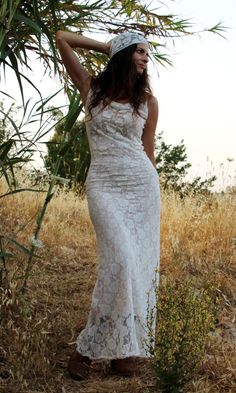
122 169
117 153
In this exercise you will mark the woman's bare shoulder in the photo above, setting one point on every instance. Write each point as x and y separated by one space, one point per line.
152 104
151 100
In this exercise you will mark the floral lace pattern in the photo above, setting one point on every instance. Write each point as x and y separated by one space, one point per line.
124 205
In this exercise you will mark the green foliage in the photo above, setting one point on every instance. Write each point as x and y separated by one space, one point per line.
30 26
5 127
12 155
75 155
185 317
172 167
171 162
19 140
16 148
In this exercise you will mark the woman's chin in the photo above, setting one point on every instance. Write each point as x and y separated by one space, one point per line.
140 71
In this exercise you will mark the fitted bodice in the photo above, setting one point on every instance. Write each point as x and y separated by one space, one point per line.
115 130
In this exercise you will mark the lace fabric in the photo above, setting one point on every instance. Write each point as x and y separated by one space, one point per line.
123 40
124 205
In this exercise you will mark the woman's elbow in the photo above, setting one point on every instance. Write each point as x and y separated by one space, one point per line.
59 35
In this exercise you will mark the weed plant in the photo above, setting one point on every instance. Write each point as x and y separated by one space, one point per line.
185 317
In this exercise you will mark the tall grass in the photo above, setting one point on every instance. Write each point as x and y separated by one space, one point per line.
38 330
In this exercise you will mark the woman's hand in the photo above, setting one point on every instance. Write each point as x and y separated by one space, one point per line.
75 40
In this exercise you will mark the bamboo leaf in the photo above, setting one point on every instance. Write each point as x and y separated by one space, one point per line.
48 34
162 59
13 124
55 20
6 254
5 148
14 63
20 190
17 160
218 29
64 149
21 18
5 174
75 109
48 99
3 92
24 112
49 197
21 247
25 77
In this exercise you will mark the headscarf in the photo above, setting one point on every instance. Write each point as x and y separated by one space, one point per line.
124 40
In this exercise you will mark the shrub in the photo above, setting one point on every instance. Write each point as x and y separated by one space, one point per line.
185 317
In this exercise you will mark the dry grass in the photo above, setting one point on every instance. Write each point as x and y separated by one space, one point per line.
38 331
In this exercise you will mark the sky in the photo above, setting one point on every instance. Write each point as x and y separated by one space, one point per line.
196 95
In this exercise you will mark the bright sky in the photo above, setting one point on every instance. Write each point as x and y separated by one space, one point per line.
197 95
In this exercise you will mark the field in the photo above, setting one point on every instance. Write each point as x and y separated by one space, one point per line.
38 329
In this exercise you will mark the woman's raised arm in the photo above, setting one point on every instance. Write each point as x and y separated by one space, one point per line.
66 42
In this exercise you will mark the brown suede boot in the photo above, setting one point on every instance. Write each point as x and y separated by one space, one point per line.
126 367
78 366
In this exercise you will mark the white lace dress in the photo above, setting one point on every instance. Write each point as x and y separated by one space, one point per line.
124 205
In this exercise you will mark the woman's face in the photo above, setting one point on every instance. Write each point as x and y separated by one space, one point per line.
140 57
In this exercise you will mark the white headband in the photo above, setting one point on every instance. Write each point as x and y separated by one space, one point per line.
124 40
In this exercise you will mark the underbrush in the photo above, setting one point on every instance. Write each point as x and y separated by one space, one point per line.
38 328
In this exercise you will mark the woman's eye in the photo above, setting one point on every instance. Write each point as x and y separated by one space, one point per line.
142 51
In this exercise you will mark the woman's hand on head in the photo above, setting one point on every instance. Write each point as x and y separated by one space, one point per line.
66 42
81 78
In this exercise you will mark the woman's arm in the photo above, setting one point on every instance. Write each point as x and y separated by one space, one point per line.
66 41
148 137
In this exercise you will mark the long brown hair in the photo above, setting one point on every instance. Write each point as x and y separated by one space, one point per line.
120 80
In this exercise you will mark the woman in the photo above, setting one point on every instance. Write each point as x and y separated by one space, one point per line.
123 198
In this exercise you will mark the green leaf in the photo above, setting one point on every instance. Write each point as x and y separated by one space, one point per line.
21 18
48 99
3 92
5 148
20 75
21 247
75 109
14 63
49 197
6 254
64 148
48 34
20 190
5 174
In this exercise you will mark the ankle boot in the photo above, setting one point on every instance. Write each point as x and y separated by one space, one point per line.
126 367
78 366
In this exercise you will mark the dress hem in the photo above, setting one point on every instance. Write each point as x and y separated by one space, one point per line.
113 357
